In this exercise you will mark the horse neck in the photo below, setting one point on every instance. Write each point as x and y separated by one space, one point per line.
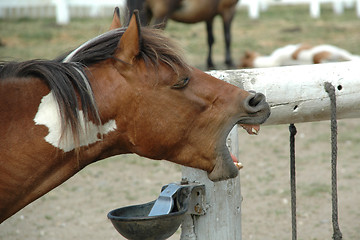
44 163
109 92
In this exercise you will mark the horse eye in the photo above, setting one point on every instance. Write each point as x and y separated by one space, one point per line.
181 83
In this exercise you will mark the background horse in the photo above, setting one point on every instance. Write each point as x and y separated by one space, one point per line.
190 11
121 92
297 54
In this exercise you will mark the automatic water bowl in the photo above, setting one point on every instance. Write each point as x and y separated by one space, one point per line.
161 218
134 223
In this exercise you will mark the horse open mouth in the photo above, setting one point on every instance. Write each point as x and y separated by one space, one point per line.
251 128
227 164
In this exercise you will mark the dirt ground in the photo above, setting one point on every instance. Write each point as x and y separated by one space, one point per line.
77 209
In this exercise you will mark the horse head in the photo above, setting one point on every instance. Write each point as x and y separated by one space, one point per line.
166 109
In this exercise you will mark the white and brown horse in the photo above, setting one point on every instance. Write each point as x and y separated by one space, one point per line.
190 11
297 54
121 92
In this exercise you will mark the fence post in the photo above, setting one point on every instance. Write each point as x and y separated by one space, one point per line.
62 12
254 9
338 6
2 10
222 219
315 8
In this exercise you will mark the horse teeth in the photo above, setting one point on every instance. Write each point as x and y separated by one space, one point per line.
254 131
239 165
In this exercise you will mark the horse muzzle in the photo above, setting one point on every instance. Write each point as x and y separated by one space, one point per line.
256 108
256 111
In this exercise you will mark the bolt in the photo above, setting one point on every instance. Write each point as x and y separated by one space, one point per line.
198 209
184 181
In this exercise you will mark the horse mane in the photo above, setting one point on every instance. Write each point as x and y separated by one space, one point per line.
67 82
155 47
66 75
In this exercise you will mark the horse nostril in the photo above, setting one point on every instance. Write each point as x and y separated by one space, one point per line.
256 99
254 102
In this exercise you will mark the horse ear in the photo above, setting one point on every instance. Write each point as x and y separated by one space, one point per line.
116 23
129 44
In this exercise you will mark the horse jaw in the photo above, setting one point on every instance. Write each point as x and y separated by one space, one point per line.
224 167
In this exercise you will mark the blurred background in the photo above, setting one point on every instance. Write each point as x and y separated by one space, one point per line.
32 29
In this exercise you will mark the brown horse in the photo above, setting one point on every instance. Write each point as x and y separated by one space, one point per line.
190 11
121 92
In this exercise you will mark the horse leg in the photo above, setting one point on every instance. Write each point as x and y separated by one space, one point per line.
211 40
227 20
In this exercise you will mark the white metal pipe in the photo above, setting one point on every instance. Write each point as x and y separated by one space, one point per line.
296 93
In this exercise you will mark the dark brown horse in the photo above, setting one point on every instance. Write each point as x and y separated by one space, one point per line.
190 11
121 92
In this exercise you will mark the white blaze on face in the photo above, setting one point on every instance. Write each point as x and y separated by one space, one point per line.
49 115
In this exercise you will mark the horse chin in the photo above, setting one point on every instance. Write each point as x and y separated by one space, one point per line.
224 167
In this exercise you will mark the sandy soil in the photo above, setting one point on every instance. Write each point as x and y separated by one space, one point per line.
77 209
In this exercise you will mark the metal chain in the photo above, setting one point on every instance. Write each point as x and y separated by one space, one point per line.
330 89
293 132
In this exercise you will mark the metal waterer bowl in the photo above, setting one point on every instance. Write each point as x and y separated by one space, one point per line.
134 223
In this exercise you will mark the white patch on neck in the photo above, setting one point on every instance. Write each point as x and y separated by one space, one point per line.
49 115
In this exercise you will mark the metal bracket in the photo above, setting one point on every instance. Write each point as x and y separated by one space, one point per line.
175 195
196 199
165 202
